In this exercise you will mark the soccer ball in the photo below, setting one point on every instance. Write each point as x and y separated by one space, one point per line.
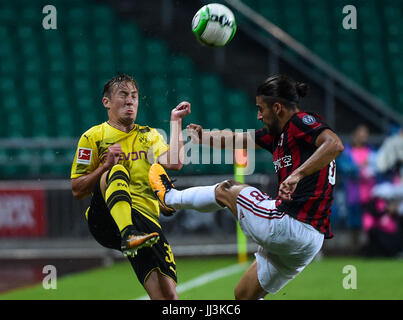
214 25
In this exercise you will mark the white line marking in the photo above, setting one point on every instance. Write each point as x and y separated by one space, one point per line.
205 278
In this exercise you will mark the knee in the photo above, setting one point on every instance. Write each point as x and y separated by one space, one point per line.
226 185
170 295
118 171
118 168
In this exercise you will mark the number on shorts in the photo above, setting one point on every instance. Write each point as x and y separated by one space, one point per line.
257 195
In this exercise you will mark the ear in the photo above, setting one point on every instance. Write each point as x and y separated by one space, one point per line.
106 101
277 108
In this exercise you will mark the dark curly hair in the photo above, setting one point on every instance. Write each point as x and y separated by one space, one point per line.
283 89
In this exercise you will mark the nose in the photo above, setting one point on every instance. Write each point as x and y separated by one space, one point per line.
129 101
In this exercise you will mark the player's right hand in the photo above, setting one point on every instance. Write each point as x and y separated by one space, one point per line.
195 132
112 155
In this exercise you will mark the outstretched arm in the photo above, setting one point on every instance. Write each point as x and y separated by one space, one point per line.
329 146
173 159
223 139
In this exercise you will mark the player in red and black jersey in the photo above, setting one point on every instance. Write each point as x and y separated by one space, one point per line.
295 144
290 229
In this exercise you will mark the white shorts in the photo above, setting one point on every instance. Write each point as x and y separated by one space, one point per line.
286 245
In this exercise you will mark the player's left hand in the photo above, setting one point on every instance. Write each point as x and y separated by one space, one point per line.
180 111
288 186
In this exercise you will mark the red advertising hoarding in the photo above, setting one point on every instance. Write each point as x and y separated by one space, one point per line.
22 213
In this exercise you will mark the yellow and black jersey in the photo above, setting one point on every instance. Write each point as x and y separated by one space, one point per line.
140 148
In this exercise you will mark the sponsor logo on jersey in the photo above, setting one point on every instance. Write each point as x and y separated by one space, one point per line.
283 162
84 155
308 119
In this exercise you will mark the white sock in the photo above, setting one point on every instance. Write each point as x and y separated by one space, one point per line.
198 198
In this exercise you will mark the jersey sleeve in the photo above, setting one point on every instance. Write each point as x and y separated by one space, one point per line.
308 126
264 140
158 144
86 158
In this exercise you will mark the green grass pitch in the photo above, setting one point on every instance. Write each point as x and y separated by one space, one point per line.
322 280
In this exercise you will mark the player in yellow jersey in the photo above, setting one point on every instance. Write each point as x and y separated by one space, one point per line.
111 164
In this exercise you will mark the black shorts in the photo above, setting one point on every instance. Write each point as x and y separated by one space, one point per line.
106 232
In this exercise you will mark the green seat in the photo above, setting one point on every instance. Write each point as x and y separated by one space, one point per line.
129 32
86 121
40 126
104 57
35 103
57 86
8 169
373 66
324 50
15 125
159 85
185 89
270 10
59 104
6 49
81 66
10 102
373 47
33 65
32 85
7 85
210 84
57 65
156 55
394 29
181 66
394 48
103 33
238 105
76 34
64 125
349 67
379 86
102 14
8 14
48 159
29 13
9 66
130 57
82 86
76 15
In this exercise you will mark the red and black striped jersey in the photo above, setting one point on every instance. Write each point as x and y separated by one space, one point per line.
313 197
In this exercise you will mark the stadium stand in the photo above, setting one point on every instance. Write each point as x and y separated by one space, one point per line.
370 55
64 73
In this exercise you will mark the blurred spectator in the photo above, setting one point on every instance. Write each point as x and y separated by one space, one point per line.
383 225
357 167
389 159
383 221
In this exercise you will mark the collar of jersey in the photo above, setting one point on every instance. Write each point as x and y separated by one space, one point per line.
136 126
